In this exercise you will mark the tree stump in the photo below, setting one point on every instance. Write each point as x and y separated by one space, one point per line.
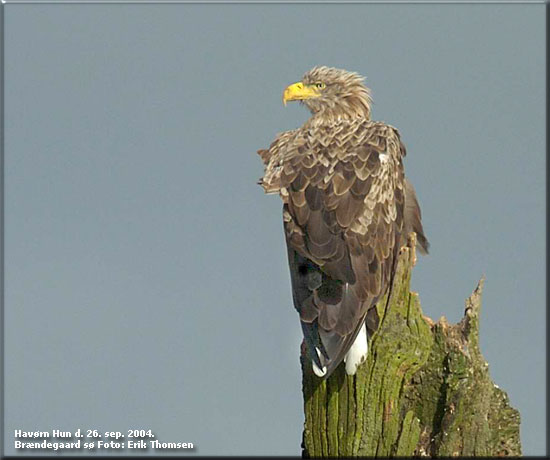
424 390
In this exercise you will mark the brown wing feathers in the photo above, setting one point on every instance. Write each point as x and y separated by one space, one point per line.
341 232
413 217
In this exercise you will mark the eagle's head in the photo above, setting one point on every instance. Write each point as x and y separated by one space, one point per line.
331 93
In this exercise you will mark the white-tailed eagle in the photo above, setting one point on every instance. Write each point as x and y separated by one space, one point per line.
347 211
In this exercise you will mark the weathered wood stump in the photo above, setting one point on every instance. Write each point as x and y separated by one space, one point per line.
425 389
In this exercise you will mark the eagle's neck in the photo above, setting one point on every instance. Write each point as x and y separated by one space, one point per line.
346 108
331 117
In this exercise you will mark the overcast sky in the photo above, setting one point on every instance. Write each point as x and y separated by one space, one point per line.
146 280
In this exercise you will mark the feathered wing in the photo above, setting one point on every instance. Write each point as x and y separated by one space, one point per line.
413 218
343 219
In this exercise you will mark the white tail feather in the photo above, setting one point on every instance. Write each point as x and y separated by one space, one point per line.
358 352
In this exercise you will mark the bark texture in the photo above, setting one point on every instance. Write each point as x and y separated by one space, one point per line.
425 389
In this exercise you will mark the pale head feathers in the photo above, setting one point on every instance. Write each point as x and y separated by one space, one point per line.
343 94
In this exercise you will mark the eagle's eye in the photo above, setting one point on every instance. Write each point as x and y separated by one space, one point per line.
320 85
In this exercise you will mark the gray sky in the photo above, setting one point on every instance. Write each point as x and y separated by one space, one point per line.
146 281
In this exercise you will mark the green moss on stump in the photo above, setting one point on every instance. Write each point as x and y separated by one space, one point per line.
425 389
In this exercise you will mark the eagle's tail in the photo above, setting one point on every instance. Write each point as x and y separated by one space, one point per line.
333 331
351 348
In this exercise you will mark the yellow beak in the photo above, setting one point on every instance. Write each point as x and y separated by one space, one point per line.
298 91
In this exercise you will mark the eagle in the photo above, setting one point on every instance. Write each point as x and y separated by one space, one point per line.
347 211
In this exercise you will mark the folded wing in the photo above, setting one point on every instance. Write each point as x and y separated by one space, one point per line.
344 222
